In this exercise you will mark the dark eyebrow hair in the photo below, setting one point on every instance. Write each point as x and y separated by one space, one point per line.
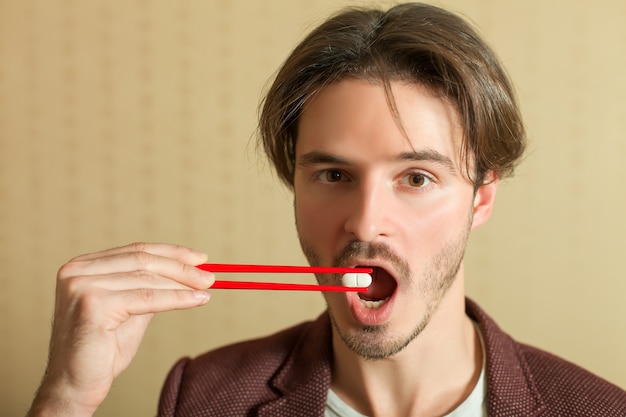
315 157
430 155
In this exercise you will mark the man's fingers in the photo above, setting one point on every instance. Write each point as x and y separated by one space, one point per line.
180 253
123 281
112 308
140 265
148 300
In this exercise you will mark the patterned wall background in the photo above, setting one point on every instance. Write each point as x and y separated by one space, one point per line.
135 120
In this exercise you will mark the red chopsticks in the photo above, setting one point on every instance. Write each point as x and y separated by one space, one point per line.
248 285
280 269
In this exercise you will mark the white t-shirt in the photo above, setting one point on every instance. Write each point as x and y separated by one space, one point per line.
473 406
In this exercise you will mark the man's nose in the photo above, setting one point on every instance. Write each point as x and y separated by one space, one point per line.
368 216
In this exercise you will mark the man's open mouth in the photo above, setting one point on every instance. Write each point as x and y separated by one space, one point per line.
382 288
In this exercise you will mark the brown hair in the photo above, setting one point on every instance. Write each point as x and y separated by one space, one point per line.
411 42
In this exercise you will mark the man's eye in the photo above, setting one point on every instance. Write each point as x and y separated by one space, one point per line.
418 180
332 175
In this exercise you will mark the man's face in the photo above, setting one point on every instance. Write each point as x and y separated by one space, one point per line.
367 196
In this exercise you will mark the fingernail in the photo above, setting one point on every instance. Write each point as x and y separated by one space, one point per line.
203 296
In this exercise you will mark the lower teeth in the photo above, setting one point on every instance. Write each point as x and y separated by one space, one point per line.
373 304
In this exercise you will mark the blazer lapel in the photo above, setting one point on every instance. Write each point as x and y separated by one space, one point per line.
302 383
511 390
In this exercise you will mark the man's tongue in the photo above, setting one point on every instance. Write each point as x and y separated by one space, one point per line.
383 285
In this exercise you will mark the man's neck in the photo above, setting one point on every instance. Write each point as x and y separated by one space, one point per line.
431 376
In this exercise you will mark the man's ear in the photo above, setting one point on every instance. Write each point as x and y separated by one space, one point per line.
484 199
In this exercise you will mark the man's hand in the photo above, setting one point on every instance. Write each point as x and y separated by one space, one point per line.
104 302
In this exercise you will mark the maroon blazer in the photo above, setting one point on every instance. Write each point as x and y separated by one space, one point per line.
288 374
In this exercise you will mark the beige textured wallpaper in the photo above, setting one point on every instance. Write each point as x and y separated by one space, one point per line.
135 120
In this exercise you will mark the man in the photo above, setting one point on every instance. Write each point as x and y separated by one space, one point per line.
393 129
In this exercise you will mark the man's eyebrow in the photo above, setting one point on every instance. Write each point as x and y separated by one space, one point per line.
430 155
312 158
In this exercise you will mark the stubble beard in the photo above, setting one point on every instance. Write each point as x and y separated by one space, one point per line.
377 342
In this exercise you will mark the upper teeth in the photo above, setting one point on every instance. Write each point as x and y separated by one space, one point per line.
373 304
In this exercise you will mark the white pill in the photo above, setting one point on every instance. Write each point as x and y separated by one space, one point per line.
356 280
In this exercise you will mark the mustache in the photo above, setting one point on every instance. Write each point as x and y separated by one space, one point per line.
364 250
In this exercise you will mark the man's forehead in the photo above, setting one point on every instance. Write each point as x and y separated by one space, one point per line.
414 123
